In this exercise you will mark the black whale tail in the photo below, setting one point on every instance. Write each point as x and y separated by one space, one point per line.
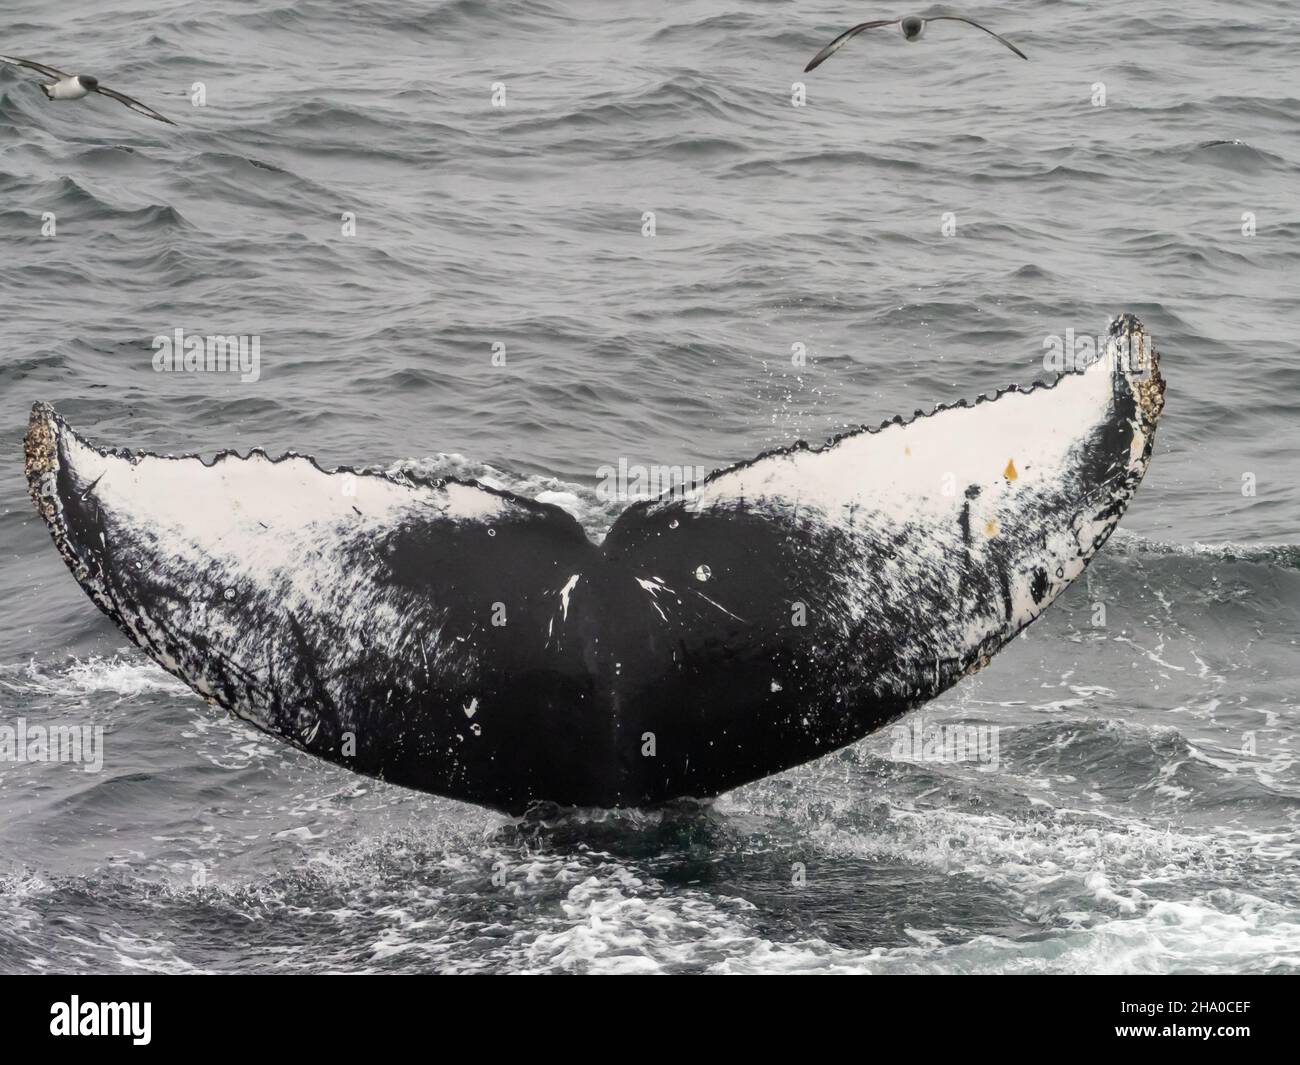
447 636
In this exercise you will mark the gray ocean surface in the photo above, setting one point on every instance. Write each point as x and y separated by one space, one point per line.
1142 811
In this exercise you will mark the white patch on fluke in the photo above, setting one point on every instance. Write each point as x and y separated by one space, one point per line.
972 491
267 549
569 585
654 586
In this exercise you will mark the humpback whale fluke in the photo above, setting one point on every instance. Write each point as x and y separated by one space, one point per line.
448 636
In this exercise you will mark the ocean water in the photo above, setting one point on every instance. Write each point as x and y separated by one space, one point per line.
1141 813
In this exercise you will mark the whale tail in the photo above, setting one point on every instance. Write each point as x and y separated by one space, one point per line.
448 636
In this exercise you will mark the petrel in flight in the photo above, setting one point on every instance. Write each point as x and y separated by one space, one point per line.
76 86
911 27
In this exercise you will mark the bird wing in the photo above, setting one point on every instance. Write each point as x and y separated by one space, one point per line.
40 68
844 39
134 105
970 22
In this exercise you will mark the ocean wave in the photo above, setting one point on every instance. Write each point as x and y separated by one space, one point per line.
1283 556
126 676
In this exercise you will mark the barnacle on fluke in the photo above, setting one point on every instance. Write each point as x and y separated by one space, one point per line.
456 638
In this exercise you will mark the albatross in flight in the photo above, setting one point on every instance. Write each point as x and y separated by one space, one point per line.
911 28
76 86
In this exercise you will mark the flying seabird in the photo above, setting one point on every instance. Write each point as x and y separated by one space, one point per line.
911 27
75 86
